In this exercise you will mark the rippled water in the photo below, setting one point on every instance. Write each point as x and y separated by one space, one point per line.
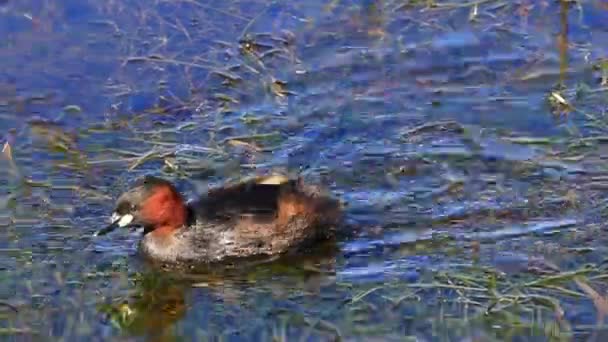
440 126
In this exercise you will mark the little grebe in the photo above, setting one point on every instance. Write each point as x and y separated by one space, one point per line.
251 218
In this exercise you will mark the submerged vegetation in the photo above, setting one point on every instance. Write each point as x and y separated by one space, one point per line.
467 139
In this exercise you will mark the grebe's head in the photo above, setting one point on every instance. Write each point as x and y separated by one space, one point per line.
152 203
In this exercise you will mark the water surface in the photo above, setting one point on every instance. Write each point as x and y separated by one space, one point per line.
467 138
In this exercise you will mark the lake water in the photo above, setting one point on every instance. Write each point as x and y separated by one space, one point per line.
466 137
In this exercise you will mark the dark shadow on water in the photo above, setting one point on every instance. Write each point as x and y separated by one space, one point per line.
164 295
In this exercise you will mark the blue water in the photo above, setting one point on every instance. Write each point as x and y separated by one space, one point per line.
410 114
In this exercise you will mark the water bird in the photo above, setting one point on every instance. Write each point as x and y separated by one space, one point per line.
260 216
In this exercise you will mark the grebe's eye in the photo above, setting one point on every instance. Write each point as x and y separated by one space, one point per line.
133 207
123 207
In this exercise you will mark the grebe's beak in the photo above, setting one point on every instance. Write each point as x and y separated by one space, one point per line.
117 221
